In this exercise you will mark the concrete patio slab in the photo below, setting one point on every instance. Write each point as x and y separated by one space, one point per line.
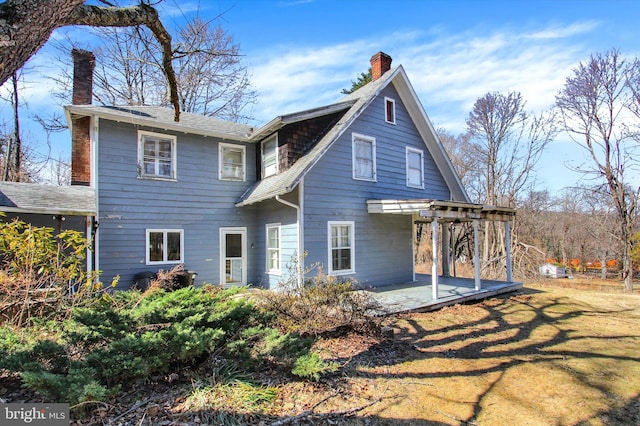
417 296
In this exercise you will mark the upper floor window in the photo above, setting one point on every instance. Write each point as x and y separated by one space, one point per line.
364 157
341 247
156 155
270 156
231 162
273 248
415 168
389 110
165 246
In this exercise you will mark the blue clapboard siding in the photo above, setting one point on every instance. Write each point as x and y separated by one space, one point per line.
196 202
383 243
271 212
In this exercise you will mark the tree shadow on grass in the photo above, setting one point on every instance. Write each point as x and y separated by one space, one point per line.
501 335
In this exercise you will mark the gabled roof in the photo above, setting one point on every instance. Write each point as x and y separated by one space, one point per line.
47 199
162 118
282 120
286 181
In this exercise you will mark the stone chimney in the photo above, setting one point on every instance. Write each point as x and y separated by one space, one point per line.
83 64
380 63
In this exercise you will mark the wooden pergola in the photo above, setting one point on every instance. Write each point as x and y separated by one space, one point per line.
446 212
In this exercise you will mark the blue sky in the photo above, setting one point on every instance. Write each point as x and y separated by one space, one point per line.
302 53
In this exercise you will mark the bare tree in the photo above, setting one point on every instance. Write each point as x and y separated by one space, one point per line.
464 159
211 78
599 111
26 25
508 143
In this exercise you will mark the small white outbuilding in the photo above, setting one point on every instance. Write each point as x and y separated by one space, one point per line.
550 270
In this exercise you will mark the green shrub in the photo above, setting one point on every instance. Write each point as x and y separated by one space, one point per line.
129 337
311 366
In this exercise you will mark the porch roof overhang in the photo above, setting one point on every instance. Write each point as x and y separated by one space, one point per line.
449 211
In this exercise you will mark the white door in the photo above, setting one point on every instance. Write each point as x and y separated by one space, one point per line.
233 256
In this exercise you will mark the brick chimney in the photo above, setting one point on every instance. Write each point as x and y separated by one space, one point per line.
83 64
380 63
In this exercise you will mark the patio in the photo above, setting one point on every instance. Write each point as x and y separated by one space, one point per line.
418 295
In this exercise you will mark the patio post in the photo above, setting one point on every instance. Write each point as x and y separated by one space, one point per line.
434 259
507 236
446 258
476 255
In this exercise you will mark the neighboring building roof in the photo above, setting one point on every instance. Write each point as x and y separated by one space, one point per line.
286 181
163 118
47 199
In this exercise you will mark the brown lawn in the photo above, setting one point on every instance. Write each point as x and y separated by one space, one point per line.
548 355
556 353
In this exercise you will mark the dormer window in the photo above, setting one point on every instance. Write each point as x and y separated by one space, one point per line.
270 156
390 110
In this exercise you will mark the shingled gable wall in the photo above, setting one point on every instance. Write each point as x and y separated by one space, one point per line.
295 140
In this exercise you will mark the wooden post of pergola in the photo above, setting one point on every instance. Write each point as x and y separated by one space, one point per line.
443 213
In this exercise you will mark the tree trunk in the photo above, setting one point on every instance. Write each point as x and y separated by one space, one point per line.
26 25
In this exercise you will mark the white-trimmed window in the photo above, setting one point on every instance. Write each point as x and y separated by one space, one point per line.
165 246
415 168
270 156
156 155
390 110
273 248
232 162
364 157
341 248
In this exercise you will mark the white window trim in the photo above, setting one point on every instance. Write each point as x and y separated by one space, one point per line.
358 136
393 110
421 153
279 229
352 227
262 170
174 168
242 148
164 260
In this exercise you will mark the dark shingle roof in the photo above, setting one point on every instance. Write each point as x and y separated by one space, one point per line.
162 118
47 199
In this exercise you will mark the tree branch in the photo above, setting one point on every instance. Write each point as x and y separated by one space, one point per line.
26 25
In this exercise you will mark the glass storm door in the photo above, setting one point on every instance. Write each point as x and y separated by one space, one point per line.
233 256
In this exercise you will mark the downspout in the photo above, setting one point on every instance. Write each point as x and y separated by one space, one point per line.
299 219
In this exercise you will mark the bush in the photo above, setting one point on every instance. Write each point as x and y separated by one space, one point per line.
311 366
126 338
41 274
322 305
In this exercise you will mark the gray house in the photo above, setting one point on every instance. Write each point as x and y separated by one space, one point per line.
343 183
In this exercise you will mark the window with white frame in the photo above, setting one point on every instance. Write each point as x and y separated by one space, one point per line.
415 168
390 110
341 247
165 246
270 156
364 157
273 248
232 159
156 155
